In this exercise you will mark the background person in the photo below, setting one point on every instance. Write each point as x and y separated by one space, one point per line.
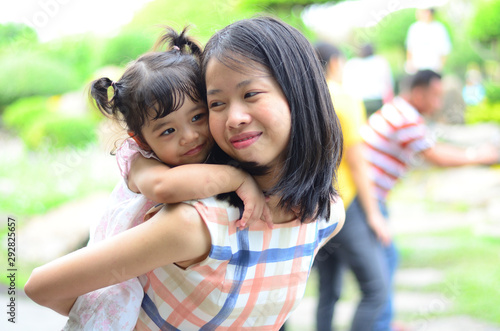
394 136
358 245
427 43
369 78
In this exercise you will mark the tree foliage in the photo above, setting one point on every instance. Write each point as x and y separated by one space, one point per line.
484 25
12 33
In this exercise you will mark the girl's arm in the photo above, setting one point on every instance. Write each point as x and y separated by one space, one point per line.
161 183
175 234
359 169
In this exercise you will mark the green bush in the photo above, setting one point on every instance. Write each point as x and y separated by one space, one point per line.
39 124
483 112
484 25
126 47
23 113
16 33
24 74
81 52
492 92
59 131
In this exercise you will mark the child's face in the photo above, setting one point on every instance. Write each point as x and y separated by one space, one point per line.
181 137
249 114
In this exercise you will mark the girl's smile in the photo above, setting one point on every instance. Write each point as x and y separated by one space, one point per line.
244 140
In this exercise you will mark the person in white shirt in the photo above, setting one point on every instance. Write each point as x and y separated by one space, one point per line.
369 78
427 43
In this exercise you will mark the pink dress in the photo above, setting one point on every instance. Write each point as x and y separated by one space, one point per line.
115 307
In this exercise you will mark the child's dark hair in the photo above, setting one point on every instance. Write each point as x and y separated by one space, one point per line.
315 148
155 84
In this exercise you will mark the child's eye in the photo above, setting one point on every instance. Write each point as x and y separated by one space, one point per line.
168 131
198 117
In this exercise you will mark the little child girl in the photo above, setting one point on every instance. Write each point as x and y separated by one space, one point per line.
160 98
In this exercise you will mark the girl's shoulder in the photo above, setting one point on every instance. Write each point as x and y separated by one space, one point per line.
328 228
127 152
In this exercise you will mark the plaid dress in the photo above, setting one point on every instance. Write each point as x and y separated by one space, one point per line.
252 279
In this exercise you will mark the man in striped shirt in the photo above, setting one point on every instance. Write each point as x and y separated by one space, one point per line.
396 134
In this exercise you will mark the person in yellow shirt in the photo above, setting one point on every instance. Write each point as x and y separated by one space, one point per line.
359 245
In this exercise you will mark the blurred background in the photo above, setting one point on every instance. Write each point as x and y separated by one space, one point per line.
56 169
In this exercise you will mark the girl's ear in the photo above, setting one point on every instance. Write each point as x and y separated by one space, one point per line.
142 144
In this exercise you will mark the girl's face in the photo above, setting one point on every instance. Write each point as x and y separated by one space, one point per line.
181 137
249 115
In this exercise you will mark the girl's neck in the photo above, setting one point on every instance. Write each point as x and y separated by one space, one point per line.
267 182
280 215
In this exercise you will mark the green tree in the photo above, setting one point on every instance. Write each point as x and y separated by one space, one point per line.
484 26
12 33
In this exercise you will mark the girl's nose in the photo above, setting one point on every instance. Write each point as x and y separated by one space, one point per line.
237 116
189 135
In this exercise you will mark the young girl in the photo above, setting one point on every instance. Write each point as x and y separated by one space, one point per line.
159 97
270 110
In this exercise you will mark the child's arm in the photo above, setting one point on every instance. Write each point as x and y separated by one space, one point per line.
161 183
175 234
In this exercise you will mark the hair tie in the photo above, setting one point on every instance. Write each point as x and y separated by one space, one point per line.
113 84
176 48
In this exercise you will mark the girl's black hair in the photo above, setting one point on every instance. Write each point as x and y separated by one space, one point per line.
155 84
309 173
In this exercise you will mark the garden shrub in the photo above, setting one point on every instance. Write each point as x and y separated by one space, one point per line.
39 124
483 112
60 131
81 52
23 113
24 74
126 47
492 90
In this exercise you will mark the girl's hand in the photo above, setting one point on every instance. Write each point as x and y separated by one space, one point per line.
379 226
255 206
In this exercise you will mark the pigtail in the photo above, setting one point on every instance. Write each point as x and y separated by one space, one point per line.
178 42
99 92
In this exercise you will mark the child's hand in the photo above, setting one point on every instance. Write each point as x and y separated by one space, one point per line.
255 206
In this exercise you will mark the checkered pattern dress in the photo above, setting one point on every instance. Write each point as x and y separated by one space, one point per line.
252 279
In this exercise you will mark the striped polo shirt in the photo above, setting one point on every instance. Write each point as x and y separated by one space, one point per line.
393 136
252 279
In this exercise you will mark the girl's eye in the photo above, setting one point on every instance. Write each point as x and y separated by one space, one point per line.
198 117
215 104
168 131
251 94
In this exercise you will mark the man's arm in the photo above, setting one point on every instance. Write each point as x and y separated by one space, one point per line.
445 155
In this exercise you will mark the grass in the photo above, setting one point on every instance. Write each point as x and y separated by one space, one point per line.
33 183
471 272
470 267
